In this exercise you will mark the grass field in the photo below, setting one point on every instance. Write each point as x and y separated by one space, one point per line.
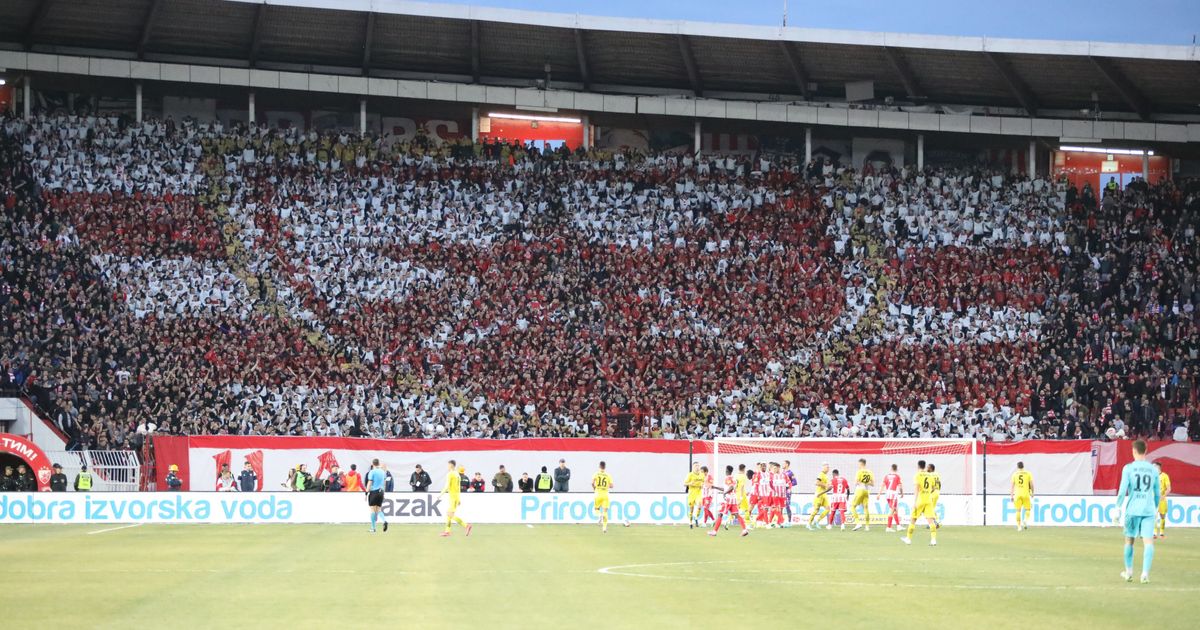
516 576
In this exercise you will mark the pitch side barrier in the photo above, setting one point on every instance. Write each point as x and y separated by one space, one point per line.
657 465
531 509
1060 467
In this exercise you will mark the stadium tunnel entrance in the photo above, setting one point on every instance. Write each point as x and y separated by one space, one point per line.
8 459
16 450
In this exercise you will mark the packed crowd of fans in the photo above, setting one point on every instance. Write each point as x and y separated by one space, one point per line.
189 278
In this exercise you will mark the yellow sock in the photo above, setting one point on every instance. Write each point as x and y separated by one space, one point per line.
933 527
448 521
911 527
604 518
1020 519
458 520
866 516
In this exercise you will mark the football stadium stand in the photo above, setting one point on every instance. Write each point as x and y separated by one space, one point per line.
170 266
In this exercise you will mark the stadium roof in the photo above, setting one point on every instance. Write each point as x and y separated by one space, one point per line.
400 39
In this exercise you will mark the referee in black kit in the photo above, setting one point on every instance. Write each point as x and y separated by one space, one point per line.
376 479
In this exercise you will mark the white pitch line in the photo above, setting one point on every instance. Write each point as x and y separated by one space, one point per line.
298 571
617 570
113 529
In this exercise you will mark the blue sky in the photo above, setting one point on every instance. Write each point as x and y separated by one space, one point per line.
1139 21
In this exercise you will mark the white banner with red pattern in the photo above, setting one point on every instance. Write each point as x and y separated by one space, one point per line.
1059 467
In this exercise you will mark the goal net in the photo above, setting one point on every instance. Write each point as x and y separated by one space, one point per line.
956 461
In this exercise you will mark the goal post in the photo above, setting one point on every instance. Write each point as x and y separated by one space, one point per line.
956 460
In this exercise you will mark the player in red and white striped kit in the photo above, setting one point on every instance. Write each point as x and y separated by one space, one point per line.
729 504
768 492
779 487
892 490
839 490
762 492
710 491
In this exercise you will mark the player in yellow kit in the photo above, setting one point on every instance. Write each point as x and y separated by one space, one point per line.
695 485
601 484
935 493
820 496
925 483
1022 495
743 499
863 480
1164 488
453 488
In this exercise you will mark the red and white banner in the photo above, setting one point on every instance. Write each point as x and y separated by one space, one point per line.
1059 467
1180 460
637 465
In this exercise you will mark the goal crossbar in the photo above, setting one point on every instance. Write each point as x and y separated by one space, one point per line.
956 460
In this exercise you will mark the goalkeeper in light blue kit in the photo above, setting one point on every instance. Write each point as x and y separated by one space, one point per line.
1138 501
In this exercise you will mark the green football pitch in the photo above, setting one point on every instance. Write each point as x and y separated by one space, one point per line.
567 576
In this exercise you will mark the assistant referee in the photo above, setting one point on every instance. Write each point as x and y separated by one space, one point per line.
376 480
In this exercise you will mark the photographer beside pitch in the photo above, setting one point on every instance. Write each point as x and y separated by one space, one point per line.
419 480
502 481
